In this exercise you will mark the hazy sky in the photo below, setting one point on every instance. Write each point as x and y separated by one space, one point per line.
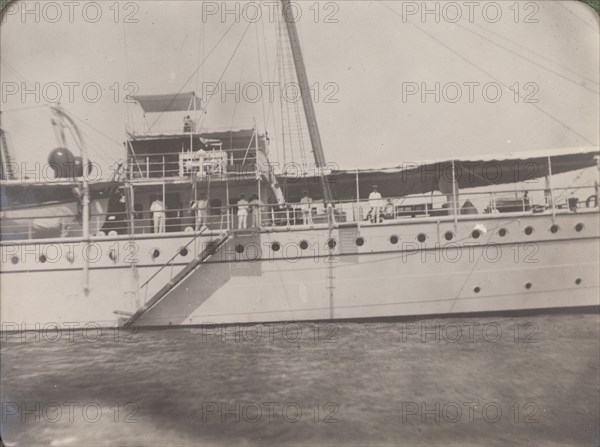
547 51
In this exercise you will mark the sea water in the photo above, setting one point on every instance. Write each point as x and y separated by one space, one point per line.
528 380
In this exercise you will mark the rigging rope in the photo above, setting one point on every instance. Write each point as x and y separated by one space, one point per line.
235 103
576 16
229 61
481 36
195 71
431 36
490 31
260 75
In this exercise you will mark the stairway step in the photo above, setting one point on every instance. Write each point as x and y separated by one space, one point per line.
206 254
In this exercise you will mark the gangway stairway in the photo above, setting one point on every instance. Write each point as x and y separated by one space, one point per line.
211 249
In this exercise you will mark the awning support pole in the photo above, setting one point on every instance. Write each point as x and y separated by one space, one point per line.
551 189
227 207
454 198
357 215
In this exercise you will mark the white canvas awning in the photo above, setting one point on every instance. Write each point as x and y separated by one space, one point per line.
470 172
179 102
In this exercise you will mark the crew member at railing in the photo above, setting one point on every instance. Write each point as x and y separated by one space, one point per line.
200 209
389 210
269 215
256 208
376 204
242 212
306 206
526 202
158 215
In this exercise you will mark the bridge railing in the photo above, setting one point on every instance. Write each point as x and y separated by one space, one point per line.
185 164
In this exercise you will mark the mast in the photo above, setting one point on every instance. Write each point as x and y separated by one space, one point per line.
309 110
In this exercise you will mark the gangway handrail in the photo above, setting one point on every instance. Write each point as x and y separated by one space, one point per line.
172 283
168 263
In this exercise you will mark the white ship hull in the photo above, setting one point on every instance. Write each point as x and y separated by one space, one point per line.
377 279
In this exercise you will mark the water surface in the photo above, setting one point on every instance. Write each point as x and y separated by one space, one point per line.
528 380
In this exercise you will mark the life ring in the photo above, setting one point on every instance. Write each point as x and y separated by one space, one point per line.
591 198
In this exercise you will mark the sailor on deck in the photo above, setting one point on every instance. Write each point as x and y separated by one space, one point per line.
200 206
242 212
306 206
158 215
376 204
256 206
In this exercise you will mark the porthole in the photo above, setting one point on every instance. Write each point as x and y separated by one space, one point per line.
43 259
528 285
239 249
529 231
360 242
155 253
579 227
275 246
303 245
502 232
449 235
554 229
394 240
578 281
112 254
331 243
183 251
477 289
14 259
422 237
475 234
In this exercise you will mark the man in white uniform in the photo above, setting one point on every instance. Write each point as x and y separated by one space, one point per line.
256 206
376 204
158 215
242 212
306 205
200 206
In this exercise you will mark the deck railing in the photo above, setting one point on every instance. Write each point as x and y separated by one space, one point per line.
219 219
185 164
